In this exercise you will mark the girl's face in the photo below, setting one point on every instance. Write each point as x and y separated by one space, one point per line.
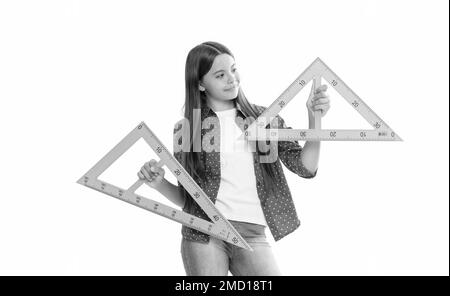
221 83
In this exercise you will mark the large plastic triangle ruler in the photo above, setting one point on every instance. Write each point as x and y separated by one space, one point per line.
316 71
220 227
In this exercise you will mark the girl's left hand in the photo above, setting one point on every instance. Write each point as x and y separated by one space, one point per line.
318 100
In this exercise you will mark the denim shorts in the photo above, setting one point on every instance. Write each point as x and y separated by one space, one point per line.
217 257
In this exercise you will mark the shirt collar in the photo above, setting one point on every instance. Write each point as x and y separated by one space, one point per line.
207 111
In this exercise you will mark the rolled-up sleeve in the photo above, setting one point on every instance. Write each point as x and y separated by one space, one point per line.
290 153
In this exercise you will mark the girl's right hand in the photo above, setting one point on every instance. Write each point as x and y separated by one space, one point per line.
152 174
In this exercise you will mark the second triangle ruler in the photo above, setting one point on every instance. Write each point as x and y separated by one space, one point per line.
317 70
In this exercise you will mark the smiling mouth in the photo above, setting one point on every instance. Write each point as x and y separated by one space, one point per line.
228 89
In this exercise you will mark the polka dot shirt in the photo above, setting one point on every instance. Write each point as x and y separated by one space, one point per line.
277 204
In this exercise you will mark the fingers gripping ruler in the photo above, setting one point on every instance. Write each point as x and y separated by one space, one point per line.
316 71
220 228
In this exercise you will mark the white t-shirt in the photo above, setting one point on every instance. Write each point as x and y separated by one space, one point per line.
237 198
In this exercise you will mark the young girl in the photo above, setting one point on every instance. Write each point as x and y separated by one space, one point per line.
248 190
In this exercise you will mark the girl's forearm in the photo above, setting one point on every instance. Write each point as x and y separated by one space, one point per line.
311 150
171 192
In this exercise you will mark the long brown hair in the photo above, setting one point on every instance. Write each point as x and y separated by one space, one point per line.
199 61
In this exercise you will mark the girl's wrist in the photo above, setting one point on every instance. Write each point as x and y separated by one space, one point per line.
160 185
311 119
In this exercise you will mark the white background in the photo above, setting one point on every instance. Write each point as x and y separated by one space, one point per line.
77 76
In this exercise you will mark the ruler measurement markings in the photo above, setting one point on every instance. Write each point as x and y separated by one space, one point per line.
325 135
285 97
350 96
161 209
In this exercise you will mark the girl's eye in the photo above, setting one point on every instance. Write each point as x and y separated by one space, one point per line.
221 75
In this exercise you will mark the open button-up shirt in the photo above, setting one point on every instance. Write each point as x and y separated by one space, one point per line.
277 204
